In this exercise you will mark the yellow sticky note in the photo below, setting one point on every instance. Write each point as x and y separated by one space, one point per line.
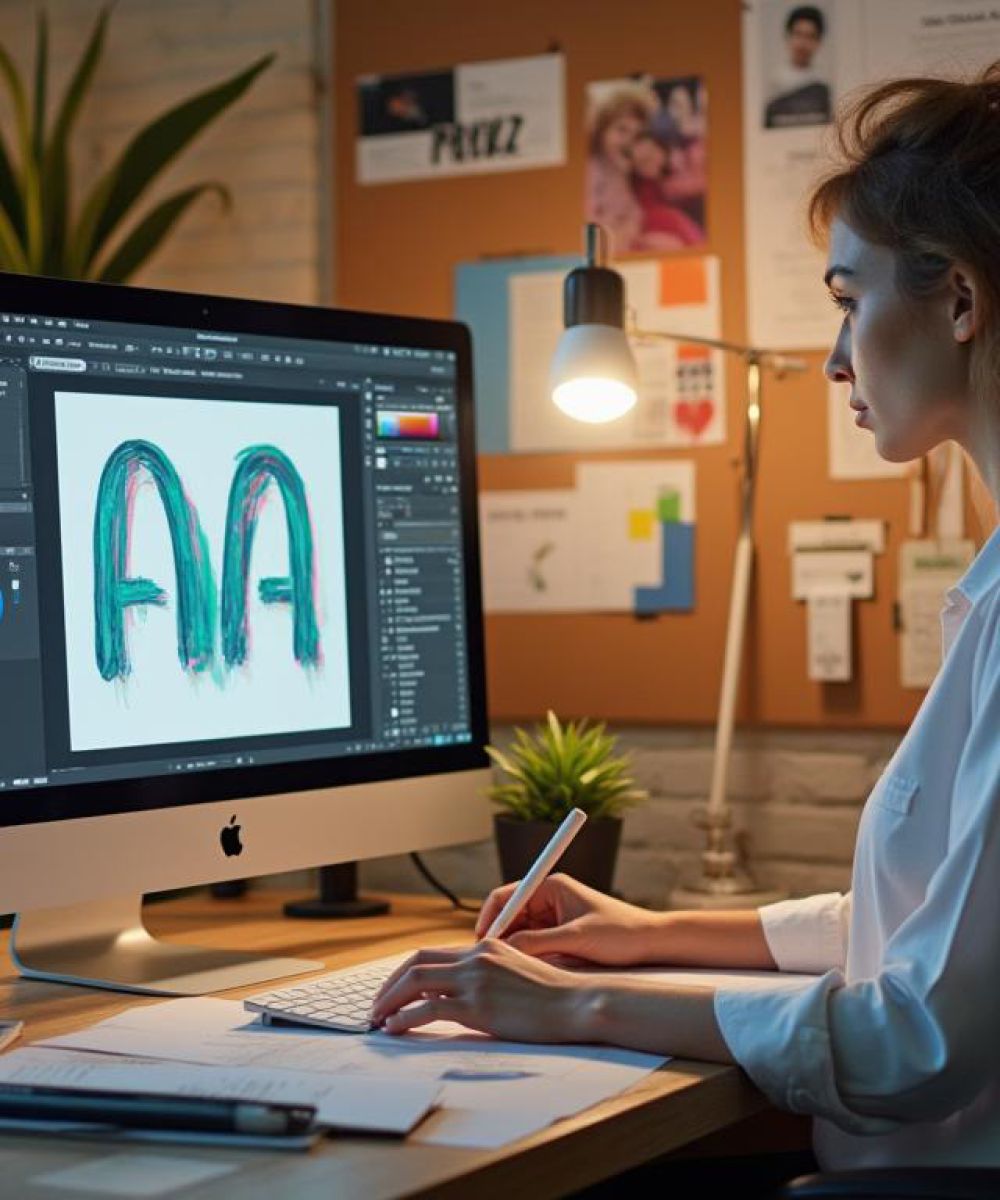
641 523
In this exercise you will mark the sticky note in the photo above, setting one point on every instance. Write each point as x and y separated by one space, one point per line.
641 523
668 507
683 281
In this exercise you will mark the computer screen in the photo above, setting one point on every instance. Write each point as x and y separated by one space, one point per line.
225 547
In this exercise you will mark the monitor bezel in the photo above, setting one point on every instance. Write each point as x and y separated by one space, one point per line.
43 296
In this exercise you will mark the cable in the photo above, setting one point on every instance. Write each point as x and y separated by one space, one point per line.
438 886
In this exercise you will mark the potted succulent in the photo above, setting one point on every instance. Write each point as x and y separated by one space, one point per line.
548 773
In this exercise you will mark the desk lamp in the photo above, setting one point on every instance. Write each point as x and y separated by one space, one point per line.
594 379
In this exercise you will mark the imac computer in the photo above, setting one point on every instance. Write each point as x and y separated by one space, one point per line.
240 615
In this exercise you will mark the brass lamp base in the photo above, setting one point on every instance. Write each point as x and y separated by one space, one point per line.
724 881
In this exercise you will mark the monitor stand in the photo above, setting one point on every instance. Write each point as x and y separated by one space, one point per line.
338 896
105 944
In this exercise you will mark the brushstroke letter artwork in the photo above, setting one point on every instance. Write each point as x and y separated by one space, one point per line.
114 590
257 467
204 568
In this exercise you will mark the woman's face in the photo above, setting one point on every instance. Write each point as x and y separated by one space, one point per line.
617 139
680 106
648 159
907 361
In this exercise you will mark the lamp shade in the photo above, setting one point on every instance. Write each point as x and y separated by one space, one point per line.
593 376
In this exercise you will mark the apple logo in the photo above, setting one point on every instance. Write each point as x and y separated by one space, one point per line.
230 838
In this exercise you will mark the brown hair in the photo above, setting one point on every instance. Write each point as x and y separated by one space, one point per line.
920 174
631 100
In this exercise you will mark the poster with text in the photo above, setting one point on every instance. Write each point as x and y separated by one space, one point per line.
507 115
800 61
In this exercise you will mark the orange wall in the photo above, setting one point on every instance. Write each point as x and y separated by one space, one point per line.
396 249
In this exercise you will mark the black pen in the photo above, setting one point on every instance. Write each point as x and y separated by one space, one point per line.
139 1110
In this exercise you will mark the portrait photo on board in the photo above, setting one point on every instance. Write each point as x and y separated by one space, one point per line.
647 162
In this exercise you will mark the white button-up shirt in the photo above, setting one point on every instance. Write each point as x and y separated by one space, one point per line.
895 1048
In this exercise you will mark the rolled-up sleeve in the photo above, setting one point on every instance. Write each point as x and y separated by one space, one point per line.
918 1041
808 935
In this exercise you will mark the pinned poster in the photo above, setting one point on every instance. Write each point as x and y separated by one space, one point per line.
622 540
476 118
531 551
799 62
927 569
681 385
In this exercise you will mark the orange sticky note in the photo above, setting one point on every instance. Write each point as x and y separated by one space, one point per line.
683 281
640 524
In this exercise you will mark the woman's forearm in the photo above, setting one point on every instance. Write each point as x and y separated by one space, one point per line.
732 938
654 1017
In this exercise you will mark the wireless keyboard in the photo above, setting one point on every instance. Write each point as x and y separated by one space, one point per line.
341 1000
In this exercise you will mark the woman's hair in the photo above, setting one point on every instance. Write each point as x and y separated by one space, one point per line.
920 174
628 101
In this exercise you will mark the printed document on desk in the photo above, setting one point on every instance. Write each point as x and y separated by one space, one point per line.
367 1104
491 1092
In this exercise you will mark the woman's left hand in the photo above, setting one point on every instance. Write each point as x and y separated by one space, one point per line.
490 987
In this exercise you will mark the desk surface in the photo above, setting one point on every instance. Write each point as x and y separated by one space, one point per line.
674 1106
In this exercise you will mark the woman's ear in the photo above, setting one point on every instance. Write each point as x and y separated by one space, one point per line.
964 308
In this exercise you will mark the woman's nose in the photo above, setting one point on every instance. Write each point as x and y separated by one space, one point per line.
837 367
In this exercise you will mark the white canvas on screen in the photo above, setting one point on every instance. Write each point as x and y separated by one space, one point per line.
159 701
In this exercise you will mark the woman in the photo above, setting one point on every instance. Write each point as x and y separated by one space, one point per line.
653 159
894 1046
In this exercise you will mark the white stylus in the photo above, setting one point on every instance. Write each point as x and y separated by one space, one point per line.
542 865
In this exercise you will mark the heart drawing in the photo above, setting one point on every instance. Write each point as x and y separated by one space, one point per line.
694 415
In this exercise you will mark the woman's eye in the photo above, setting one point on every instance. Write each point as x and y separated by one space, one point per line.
844 303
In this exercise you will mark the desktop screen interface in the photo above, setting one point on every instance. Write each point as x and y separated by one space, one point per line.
221 550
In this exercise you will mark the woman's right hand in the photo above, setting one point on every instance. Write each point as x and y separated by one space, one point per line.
565 918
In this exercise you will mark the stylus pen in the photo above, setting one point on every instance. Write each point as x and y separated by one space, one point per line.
542 865
141 1111
10 1031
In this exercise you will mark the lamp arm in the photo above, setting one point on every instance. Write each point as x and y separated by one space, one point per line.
780 363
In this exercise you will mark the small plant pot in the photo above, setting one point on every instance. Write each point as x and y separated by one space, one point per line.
590 857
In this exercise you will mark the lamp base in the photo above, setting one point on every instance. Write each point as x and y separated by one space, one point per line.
696 897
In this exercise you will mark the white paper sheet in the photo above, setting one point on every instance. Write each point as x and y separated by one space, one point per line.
586 549
829 635
822 571
610 493
531 551
864 41
505 115
927 569
368 1104
134 1175
491 1092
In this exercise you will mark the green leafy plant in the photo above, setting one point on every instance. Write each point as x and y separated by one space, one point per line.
563 767
41 230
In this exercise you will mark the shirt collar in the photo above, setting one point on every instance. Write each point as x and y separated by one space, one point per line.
982 575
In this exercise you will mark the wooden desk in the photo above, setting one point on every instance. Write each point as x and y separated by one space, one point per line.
675 1106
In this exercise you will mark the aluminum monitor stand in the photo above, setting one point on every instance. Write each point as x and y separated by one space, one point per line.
105 944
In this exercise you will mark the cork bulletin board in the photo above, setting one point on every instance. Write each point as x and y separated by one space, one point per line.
397 246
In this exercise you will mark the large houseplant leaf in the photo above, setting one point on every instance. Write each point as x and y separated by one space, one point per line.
145 156
150 231
31 232
56 189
